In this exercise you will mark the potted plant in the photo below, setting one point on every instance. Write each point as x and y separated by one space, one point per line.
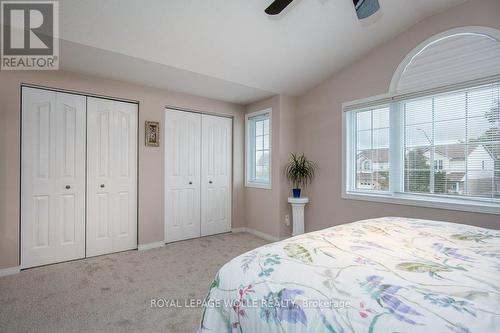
299 172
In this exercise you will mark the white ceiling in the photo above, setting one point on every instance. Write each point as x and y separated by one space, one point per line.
227 49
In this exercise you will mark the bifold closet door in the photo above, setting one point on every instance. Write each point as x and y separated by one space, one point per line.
111 176
182 175
216 175
52 177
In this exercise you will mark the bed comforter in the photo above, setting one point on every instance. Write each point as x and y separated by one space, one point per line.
380 275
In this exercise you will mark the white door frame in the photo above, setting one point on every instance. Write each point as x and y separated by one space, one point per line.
177 108
68 91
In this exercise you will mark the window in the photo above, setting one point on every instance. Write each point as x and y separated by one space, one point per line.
258 147
440 150
367 166
438 164
372 149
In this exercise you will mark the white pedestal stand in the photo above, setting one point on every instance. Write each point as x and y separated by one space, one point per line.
298 205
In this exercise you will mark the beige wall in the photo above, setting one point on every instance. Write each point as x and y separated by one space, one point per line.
151 160
266 209
287 145
319 121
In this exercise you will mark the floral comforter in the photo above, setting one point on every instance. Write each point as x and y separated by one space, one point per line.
380 275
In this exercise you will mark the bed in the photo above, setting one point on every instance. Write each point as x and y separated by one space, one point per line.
380 275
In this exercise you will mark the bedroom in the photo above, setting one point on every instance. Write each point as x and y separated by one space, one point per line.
396 111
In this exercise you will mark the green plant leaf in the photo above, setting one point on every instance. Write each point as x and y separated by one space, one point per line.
299 171
470 236
298 252
471 294
417 267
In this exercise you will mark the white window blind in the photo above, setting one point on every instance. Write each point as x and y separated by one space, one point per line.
457 58
441 146
459 134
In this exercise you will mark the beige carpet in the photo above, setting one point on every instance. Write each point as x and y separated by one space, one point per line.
113 293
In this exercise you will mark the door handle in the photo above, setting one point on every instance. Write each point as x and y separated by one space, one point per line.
210 182
68 187
190 183
102 185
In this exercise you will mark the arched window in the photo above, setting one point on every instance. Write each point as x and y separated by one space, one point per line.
436 128
457 55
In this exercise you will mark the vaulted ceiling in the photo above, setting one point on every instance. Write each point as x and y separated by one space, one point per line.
227 49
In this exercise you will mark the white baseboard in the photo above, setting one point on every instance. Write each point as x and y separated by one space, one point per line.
256 233
150 246
9 271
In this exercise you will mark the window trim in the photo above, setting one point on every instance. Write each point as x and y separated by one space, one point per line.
248 182
395 195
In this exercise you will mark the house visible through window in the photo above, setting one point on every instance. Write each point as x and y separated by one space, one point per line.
447 144
258 145
459 132
372 149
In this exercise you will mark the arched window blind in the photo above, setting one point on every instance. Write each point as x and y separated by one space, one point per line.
435 140
451 59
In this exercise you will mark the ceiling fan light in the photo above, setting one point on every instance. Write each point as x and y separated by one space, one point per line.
366 8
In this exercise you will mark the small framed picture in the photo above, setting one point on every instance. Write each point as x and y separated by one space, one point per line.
152 134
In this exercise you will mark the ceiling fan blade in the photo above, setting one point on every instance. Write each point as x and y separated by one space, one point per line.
366 8
277 7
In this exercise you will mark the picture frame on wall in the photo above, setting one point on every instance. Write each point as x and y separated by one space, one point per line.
152 134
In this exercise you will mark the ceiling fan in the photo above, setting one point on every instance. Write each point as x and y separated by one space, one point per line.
364 8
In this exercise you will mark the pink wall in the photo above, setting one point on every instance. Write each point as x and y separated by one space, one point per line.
151 160
287 145
319 121
266 209
262 213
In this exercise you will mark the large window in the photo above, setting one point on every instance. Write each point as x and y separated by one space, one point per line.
435 149
258 147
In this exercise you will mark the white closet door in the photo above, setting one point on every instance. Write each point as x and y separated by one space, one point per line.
52 177
216 162
111 176
182 175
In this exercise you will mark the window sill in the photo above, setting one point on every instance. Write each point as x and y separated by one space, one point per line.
426 201
258 185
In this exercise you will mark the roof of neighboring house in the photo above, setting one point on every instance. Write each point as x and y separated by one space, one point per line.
454 152
457 151
494 150
380 155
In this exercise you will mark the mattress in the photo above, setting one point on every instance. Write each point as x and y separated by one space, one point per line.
380 275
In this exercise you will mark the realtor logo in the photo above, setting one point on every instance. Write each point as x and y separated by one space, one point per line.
30 35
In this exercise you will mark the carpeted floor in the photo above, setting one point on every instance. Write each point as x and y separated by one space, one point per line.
113 293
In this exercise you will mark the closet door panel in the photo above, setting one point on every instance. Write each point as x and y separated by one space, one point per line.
182 175
125 166
111 176
216 175
99 185
52 177
70 170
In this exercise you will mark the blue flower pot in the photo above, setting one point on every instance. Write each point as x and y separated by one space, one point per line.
296 192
